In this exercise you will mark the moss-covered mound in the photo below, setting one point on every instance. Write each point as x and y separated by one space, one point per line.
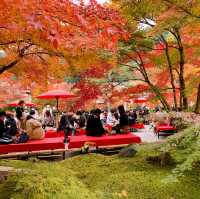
95 176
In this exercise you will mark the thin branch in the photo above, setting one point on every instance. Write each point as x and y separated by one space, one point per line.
35 53
129 66
8 43
177 71
43 60
169 88
10 65
3 27
183 9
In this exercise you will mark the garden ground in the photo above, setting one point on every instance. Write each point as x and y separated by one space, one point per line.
96 176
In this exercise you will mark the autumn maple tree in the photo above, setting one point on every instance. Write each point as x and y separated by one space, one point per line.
48 40
34 29
60 40
161 47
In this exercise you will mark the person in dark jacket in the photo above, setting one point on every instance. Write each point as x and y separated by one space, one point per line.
66 124
132 117
10 125
20 109
123 117
80 119
123 120
2 125
94 125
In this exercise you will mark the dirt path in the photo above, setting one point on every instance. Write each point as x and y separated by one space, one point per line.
147 135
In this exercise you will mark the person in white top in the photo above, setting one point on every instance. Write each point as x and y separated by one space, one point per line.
34 114
111 119
47 108
103 117
47 117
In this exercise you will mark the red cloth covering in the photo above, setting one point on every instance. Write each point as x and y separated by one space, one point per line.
34 145
105 140
137 126
165 128
80 132
109 127
53 134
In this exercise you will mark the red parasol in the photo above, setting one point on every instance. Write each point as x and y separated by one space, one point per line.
27 103
2 105
140 100
56 94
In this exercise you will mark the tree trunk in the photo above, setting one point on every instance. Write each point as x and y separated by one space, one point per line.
154 88
180 100
197 106
182 80
171 73
160 96
183 97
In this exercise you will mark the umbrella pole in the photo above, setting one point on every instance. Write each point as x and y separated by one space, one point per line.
57 112
57 103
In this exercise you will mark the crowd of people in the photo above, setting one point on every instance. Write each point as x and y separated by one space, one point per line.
19 126
15 125
98 122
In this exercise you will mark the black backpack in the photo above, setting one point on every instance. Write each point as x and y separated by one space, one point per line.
5 140
11 127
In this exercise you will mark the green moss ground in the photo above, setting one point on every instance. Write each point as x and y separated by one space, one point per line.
96 176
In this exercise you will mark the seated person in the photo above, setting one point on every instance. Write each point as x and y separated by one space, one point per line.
34 129
34 114
103 117
66 124
132 117
80 119
94 125
3 138
2 125
10 125
48 119
112 119
20 109
122 127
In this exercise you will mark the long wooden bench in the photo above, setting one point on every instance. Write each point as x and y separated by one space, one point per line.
105 140
164 130
137 126
52 142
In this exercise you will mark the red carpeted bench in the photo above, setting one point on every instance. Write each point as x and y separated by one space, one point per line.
83 131
80 132
34 145
53 134
137 126
105 140
164 130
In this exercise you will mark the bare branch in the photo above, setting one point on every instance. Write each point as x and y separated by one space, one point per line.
10 65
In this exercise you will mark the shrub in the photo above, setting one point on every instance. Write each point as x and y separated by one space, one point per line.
186 148
164 159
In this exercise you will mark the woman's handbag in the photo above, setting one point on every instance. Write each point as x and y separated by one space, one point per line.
23 138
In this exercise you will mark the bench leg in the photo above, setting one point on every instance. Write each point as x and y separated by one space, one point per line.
63 155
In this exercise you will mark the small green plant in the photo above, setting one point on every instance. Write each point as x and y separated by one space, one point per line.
140 120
